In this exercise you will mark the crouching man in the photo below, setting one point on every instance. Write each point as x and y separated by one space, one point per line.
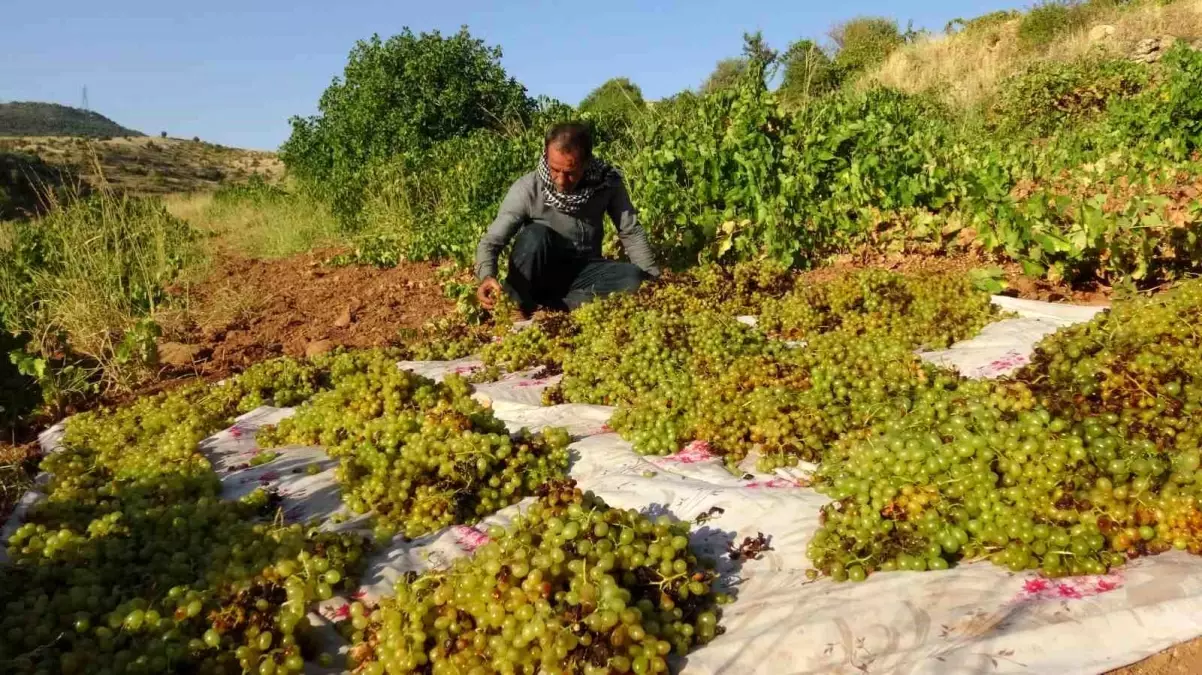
556 214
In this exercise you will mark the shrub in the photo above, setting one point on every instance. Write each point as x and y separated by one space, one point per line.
437 203
865 42
981 23
726 75
617 97
1171 114
1050 94
809 72
400 96
1054 18
81 281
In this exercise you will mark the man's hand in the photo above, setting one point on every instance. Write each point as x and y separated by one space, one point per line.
488 293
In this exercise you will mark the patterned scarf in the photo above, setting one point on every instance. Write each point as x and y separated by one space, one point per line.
597 175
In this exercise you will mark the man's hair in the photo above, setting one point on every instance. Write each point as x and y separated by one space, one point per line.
574 137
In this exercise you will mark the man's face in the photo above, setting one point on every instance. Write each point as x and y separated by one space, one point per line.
567 168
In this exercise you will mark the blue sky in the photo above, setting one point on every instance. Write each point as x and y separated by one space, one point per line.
234 72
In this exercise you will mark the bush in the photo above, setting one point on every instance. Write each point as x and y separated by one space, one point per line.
437 203
1051 93
618 97
981 23
726 75
82 280
865 42
400 96
809 72
1049 20
1171 114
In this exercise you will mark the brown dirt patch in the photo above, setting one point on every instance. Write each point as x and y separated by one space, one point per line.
251 310
1183 659
1018 284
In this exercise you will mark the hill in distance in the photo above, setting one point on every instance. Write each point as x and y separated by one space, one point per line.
51 119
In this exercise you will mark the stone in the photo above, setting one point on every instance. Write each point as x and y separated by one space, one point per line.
177 354
343 319
318 347
1149 50
1100 32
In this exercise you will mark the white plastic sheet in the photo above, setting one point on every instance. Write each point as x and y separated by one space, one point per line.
976 618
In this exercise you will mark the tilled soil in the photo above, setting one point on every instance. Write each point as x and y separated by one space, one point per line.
251 310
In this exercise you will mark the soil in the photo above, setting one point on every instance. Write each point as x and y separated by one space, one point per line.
251 310
1182 659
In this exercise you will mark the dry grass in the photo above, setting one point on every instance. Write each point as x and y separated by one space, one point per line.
150 165
257 228
965 68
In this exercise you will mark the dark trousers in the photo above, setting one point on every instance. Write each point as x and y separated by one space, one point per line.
546 271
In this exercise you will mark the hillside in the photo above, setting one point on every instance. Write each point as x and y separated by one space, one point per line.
51 119
966 64
145 165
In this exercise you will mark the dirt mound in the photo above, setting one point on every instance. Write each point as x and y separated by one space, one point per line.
250 310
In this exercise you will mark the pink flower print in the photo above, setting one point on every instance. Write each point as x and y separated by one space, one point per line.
269 476
235 431
359 594
1006 363
1071 588
1068 592
527 383
465 370
1036 585
694 452
469 538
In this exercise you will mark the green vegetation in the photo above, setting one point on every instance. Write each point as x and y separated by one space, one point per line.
864 42
51 119
616 97
400 96
1054 18
815 169
808 73
81 282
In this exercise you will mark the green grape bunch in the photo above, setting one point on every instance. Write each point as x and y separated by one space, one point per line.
570 586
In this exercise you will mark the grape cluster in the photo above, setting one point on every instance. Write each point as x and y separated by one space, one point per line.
571 586
928 311
420 454
679 371
133 564
1087 457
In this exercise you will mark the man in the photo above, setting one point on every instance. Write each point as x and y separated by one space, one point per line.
556 213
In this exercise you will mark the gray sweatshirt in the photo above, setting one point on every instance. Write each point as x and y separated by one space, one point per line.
525 204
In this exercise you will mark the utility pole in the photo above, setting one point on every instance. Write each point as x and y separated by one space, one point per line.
85 97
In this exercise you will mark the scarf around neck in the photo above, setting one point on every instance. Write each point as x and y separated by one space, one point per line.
597 175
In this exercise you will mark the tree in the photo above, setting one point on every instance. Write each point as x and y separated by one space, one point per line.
400 96
809 72
757 62
864 42
162 134
616 97
726 75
